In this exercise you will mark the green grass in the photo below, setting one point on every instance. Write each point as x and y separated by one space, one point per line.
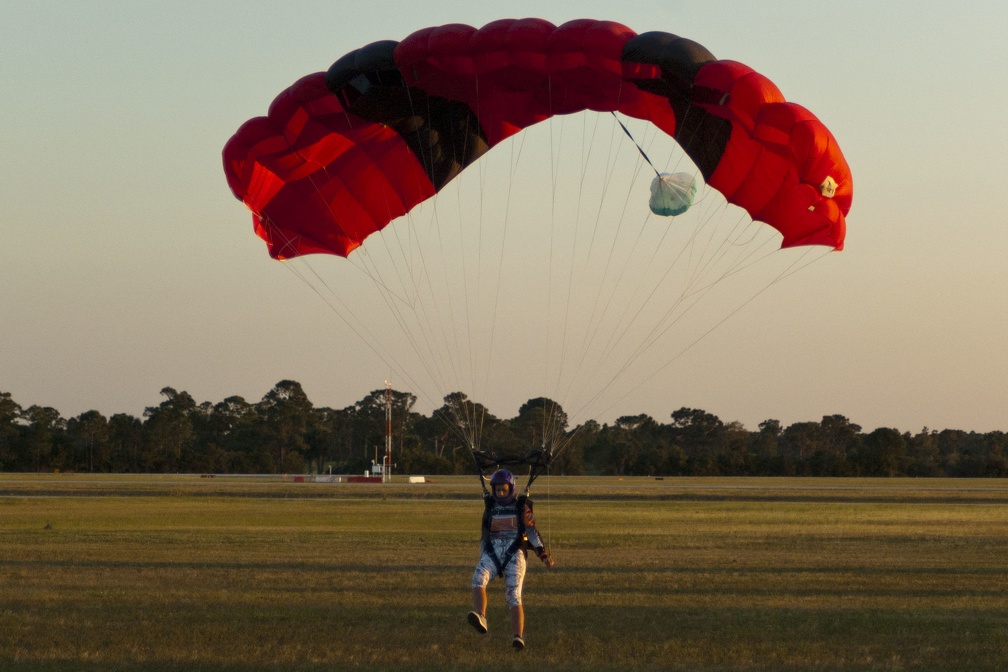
182 573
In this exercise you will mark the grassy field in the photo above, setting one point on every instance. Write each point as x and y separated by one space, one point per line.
233 574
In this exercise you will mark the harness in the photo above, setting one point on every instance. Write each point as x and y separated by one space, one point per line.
538 461
520 505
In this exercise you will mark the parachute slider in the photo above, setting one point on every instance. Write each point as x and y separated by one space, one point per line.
536 458
484 461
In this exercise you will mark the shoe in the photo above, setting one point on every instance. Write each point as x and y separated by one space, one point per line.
478 621
518 643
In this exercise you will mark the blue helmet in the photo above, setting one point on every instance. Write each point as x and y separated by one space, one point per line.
503 477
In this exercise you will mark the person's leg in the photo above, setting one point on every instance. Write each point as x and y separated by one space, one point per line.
481 577
514 579
480 600
517 620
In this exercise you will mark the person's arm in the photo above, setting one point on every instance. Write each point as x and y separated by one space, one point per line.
534 538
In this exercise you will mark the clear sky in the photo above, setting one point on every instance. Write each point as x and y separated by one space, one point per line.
128 266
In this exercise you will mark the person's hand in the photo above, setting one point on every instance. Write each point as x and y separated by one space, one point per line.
547 560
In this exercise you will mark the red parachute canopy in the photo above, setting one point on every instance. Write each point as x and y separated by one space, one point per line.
341 154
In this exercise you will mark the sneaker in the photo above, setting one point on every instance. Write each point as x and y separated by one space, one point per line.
518 643
478 621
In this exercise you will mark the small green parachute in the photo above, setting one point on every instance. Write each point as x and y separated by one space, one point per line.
672 194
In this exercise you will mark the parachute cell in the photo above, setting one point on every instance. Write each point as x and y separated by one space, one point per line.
343 153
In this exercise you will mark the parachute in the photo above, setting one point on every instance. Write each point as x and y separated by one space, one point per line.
341 154
672 195
389 127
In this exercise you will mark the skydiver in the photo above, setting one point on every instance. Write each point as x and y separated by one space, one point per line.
509 530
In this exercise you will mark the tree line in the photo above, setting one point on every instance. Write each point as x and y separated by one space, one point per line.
284 433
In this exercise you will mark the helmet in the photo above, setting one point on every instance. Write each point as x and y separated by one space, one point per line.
503 477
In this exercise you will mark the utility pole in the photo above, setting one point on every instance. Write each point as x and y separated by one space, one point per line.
387 466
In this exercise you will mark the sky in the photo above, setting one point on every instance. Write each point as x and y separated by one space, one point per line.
128 265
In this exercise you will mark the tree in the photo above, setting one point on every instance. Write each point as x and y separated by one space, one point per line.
369 426
88 435
798 441
125 441
883 453
569 460
461 417
415 460
765 452
284 432
622 447
371 411
338 430
700 434
236 427
733 458
10 431
923 457
467 425
287 411
599 449
838 442
543 421
45 428
169 430
641 446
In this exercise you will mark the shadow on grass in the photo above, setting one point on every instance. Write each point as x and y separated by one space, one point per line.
566 638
